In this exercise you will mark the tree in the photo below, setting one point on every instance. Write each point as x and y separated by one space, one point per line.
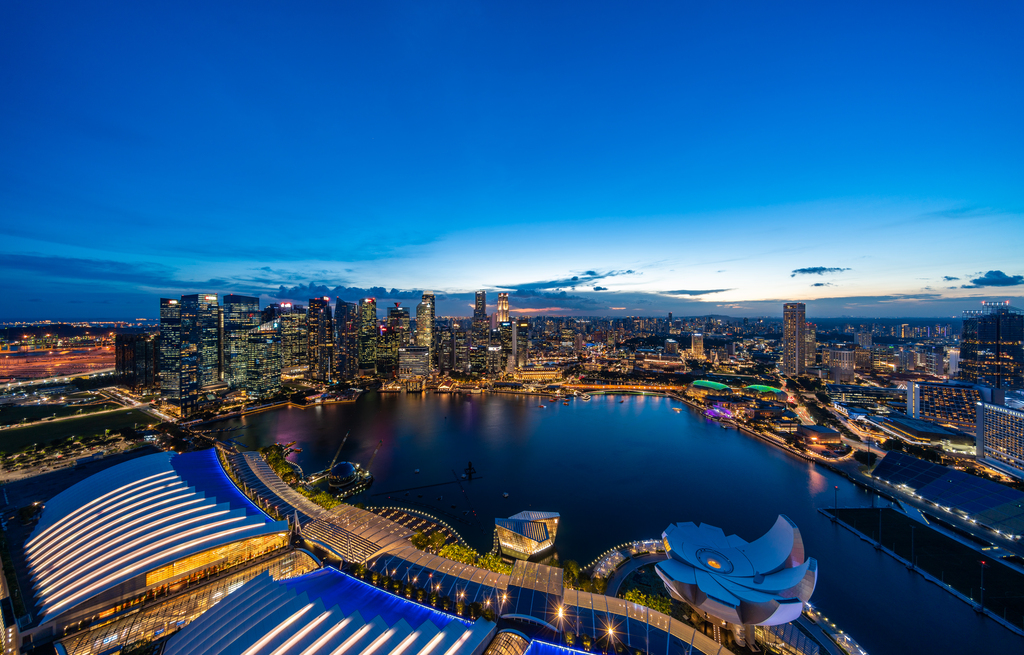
459 553
420 540
571 571
437 542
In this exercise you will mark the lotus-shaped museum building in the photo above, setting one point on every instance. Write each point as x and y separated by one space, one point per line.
763 582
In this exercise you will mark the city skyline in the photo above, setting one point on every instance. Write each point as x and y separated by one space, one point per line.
688 159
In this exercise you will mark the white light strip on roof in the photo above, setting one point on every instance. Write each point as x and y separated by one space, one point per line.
44 558
327 636
351 640
376 642
255 648
432 644
146 562
294 639
458 644
32 545
405 643
86 551
70 530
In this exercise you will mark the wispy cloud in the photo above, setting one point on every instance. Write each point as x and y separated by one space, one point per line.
694 292
817 270
584 279
949 278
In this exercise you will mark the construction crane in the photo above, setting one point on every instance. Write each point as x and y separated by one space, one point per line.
370 463
335 460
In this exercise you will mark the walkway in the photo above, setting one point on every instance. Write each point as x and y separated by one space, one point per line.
621 573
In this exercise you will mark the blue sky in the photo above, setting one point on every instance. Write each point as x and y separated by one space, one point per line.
689 157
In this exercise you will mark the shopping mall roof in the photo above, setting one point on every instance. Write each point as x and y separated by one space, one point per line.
133 518
708 384
326 612
991 504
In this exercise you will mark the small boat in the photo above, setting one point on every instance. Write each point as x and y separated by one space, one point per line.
543 407
440 497
566 402
464 476
677 409
621 401
504 495
416 471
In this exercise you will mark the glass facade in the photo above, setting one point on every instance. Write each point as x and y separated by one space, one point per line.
992 346
170 348
241 314
320 339
368 336
794 342
263 361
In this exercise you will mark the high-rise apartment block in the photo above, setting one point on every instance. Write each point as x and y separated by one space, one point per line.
992 346
241 315
1000 438
320 339
697 345
794 343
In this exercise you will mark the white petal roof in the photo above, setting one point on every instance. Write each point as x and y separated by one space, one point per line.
763 582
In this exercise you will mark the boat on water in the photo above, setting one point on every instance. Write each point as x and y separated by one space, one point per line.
677 409
416 471
504 495
542 406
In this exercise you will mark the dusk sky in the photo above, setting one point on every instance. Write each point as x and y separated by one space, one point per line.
589 158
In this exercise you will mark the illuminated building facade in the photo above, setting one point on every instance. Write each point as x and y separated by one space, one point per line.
368 333
139 528
346 351
425 321
137 361
170 349
200 333
241 315
521 336
502 313
527 533
508 360
810 345
697 345
1000 438
413 361
992 346
744 584
320 339
794 342
950 403
481 324
294 336
263 361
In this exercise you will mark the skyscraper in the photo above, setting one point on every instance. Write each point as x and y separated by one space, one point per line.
1000 438
241 314
992 346
320 337
697 345
294 341
502 308
425 322
508 360
368 336
346 348
810 345
398 320
136 361
481 325
200 327
521 341
794 321
263 361
170 349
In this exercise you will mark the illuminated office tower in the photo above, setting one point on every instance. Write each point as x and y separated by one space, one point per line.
810 345
444 348
368 333
388 344
398 321
425 321
521 341
462 363
346 346
478 359
697 345
170 349
502 308
294 341
992 346
508 360
320 340
481 324
200 327
241 315
794 321
263 361
953 367
864 340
